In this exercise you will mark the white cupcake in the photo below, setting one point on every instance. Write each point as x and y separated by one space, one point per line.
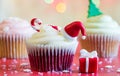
13 33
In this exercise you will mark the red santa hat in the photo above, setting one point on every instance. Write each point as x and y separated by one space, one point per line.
72 30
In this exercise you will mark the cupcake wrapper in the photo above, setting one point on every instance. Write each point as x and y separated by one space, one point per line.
12 46
105 45
49 58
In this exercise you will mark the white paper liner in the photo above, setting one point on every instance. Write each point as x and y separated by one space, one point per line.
105 45
12 46
48 58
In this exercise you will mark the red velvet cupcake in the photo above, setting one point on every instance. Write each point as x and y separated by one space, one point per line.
52 49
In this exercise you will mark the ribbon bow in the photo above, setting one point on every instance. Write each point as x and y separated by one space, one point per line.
84 53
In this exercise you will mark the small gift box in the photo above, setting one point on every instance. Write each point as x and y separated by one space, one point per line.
88 62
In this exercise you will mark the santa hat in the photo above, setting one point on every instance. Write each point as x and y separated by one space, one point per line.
35 21
71 31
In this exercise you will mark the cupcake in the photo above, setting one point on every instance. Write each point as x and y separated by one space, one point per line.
53 49
13 32
102 33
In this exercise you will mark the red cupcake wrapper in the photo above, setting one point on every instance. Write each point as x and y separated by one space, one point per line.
45 59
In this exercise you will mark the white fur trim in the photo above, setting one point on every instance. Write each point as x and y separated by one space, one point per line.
38 21
67 36
83 37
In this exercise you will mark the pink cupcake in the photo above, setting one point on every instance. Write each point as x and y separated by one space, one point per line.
52 49
13 32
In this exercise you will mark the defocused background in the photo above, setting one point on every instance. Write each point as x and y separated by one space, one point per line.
56 12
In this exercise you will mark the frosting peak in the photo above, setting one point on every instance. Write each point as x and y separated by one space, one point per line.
100 18
102 24
47 35
51 35
14 25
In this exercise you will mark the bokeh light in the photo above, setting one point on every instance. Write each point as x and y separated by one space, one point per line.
49 1
61 7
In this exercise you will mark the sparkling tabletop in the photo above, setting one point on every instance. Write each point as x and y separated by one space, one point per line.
20 67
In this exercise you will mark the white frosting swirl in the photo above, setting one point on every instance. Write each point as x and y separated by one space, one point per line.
49 36
103 24
14 25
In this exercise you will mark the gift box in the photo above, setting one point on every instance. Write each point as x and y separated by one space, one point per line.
88 62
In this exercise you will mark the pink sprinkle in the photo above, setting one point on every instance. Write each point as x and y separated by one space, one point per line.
77 68
24 64
101 69
79 74
108 67
70 72
27 70
66 71
100 62
60 72
3 66
16 71
39 73
53 71
93 74
11 72
74 64
118 70
31 72
5 75
15 61
4 59
56 72
49 72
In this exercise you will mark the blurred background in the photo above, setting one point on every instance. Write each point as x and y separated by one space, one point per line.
56 12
